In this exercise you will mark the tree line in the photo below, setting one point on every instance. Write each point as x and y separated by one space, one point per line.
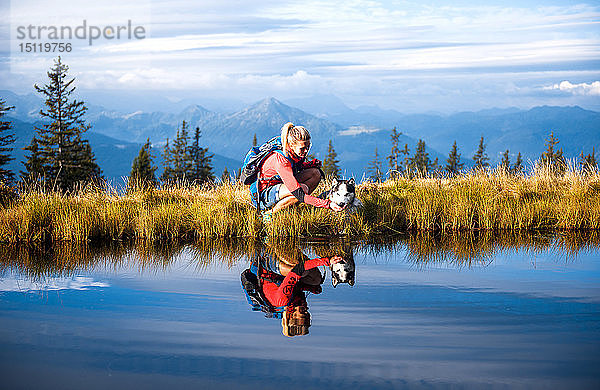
401 162
60 158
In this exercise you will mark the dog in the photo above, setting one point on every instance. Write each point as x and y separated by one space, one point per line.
343 193
344 271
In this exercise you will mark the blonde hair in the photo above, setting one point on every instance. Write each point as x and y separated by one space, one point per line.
290 326
291 133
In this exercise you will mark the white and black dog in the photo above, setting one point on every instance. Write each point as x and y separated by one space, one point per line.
344 271
343 192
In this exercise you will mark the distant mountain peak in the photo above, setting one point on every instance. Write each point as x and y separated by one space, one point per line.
194 109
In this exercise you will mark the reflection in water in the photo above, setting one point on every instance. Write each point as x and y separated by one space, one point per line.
459 250
174 316
277 282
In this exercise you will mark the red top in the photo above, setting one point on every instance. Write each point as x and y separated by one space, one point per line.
276 164
283 294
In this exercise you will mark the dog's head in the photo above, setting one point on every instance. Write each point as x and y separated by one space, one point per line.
343 272
342 192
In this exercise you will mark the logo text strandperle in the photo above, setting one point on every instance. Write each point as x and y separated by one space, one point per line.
83 31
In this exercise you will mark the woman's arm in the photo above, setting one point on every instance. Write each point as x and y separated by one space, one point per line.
281 295
284 170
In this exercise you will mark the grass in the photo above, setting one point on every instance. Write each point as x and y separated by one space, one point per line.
486 201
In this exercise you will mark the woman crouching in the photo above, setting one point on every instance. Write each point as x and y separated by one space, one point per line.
286 178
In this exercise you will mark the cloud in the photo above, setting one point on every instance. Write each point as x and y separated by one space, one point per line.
50 284
355 130
583 89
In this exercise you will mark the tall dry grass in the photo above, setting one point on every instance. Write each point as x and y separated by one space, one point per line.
489 201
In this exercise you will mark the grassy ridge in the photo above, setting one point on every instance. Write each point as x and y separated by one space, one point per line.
491 201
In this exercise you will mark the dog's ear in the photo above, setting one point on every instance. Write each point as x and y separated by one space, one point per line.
351 181
334 182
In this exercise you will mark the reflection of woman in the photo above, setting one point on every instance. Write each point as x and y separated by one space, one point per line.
284 288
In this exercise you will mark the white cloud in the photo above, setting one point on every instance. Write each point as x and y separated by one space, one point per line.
355 130
591 89
50 284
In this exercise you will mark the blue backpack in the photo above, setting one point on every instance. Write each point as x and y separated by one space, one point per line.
252 163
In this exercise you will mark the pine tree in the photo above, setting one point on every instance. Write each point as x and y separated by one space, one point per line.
225 176
178 162
517 168
330 165
201 167
420 163
588 163
374 168
505 163
58 153
406 152
6 139
453 164
167 155
394 157
182 163
551 158
143 169
436 169
481 158
254 140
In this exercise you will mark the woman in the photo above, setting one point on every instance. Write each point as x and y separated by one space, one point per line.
286 178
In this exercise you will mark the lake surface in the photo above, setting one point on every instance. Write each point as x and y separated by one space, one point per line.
424 312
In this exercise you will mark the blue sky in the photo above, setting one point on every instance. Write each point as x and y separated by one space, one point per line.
411 56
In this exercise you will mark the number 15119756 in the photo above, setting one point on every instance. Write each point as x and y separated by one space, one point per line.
48 47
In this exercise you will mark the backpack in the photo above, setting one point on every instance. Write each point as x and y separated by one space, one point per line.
255 296
252 163
255 157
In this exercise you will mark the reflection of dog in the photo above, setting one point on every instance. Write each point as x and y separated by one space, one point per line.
343 192
343 272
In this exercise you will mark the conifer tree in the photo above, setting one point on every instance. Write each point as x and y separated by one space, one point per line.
588 163
225 177
517 168
481 158
436 168
254 140
453 164
394 157
420 163
552 158
406 153
143 169
182 163
58 153
374 168
177 159
330 165
6 139
167 154
201 161
505 163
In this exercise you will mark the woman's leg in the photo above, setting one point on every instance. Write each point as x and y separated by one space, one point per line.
308 179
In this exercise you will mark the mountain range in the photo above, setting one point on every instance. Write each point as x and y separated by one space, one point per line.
355 133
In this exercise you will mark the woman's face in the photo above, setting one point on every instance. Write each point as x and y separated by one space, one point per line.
300 148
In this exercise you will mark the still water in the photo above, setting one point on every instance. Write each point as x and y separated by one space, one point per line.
423 312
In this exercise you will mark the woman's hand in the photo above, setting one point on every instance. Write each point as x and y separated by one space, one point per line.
335 207
335 259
